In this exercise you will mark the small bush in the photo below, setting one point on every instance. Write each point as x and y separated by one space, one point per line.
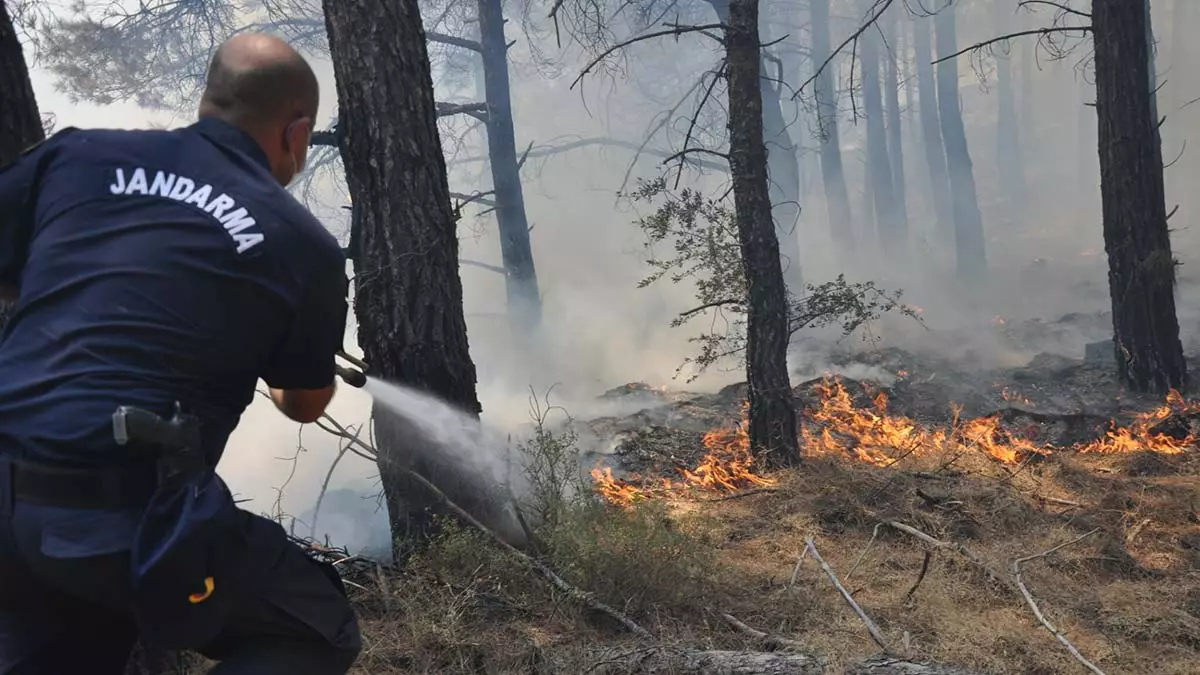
639 559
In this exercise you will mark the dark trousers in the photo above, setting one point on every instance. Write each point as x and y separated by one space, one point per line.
65 608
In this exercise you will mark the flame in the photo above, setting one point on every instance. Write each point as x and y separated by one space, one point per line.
837 425
727 467
1013 397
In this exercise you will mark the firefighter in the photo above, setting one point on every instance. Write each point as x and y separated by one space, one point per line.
166 271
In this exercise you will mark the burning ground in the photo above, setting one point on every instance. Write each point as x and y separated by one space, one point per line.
919 491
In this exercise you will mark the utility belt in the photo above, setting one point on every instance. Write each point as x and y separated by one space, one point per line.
107 489
171 452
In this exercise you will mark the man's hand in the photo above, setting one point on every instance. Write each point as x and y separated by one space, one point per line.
303 405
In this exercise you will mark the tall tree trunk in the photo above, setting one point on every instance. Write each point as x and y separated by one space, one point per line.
524 299
1141 268
20 121
773 432
931 128
783 165
1008 136
891 228
895 133
408 295
969 245
833 175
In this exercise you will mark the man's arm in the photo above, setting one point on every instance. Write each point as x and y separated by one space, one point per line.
302 378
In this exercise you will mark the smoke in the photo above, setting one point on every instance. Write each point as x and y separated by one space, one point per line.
1045 259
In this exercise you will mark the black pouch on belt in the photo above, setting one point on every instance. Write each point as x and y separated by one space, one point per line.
189 547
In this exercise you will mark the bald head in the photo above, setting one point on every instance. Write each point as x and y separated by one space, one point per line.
257 79
262 85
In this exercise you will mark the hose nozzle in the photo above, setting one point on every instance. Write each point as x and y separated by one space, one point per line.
352 377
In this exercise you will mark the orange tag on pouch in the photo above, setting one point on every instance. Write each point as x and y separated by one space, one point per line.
197 598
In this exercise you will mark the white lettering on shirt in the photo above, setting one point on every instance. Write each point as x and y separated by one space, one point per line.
236 220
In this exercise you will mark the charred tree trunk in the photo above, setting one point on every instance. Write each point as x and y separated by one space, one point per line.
833 174
969 245
20 121
891 84
891 228
783 166
931 128
1141 268
772 414
1008 135
524 298
408 295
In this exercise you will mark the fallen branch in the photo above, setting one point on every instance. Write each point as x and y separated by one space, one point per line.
558 582
769 641
884 665
957 548
740 494
663 660
876 634
920 577
1058 635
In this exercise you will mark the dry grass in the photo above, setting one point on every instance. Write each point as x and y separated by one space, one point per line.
1128 596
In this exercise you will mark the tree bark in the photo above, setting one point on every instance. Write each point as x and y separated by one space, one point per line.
20 121
1008 135
892 229
773 432
931 128
1141 268
408 294
891 84
969 245
677 661
833 175
783 166
521 283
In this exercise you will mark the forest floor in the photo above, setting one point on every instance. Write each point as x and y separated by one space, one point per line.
688 534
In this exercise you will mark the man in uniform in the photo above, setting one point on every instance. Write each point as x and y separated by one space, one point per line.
150 269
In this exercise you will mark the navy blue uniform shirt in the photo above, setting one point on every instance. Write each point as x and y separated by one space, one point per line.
153 267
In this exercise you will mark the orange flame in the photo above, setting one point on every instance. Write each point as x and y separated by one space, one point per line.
871 434
727 467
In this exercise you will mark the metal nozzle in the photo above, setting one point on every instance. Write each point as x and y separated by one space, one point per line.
352 377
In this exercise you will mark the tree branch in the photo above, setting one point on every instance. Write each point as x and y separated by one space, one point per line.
480 197
476 110
327 139
675 30
454 41
482 265
546 151
687 151
1021 33
880 8
1056 5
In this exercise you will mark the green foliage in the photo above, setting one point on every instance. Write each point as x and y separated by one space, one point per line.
704 239
641 559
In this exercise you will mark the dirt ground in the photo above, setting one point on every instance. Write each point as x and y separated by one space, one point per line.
1034 463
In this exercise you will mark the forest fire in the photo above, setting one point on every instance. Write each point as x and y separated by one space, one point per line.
871 434
727 467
